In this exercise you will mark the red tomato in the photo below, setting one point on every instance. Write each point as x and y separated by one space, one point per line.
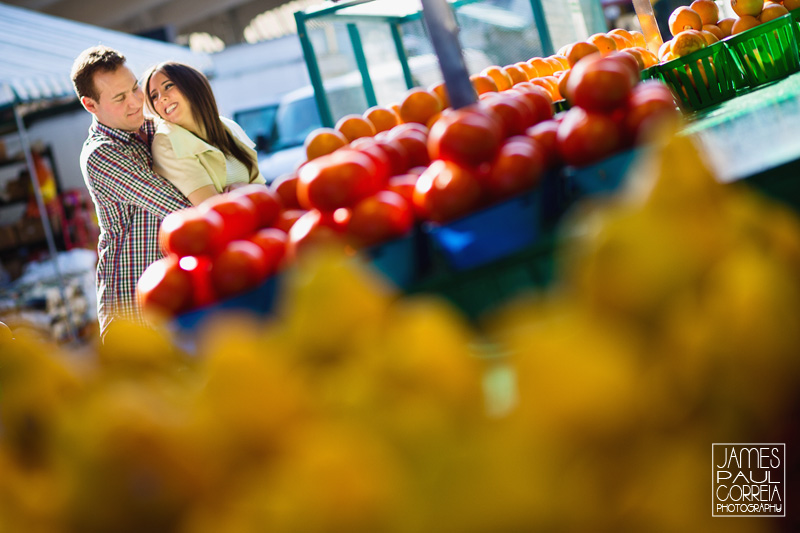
416 147
164 288
287 218
379 218
539 99
339 179
397 154
241 265
192 232
404 186
585 137
266 202
402 129
467 136
600 84
272 242
238 214
285 188
518 167
446 191
647 112
310 231
545 133
513 113
199 269
380 158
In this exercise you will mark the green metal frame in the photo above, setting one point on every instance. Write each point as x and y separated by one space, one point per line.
395 23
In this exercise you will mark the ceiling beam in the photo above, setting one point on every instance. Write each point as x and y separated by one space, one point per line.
34 5
103 13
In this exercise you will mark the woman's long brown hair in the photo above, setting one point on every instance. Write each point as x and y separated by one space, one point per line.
195 88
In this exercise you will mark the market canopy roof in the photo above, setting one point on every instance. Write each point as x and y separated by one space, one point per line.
37 52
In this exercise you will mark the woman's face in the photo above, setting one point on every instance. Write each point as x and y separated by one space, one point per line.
170 103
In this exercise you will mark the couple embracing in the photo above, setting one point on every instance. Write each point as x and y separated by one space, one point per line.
138 170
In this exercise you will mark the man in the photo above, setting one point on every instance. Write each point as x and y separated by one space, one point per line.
131 200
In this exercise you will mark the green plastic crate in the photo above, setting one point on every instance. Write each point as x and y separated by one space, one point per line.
687 77
767 52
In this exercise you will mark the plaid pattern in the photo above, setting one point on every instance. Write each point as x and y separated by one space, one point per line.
131 201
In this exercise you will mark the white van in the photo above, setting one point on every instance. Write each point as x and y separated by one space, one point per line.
280 130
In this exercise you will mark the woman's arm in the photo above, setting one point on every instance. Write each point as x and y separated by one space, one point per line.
201 194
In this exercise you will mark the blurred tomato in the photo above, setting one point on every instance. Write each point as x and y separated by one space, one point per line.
380 158
600 84
287 218
241 265
415 144
467 136
265 201
404 186
311 230
647 112
514 115
539 99
336 180
192 232
585 137
199 269
238 214
379 218
518 167
397 155
164 288
285 188
545 133
445 191
272 242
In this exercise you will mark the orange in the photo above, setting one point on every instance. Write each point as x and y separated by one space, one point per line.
665 48
432 120
563 60
543 68
685 18
500 77
650 59
687 42
707 9
323 141
528 69
743 24
396 109
709 37
382 118
771 12
638 39
625 34
516 74
483 84
637 55
745 8
603 42
549 84
354 127
555 63
578 50
562 84
440 90
619 40
791 4
419 106
715 30
726 26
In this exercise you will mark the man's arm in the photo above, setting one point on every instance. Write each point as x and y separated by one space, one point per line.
117 178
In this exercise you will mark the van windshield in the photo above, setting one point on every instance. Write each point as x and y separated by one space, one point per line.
294 122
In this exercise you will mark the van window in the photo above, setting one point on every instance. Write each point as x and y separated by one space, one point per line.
259 124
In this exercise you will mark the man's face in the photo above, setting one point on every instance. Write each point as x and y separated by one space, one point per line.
120 100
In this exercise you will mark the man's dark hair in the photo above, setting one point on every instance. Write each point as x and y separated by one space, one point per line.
90 61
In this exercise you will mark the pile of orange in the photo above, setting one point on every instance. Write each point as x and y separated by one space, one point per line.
700 25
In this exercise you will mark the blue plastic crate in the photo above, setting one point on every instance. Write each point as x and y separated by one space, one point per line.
258 301
603 177
402 260
489 234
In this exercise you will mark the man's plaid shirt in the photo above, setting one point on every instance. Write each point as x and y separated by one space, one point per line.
131 201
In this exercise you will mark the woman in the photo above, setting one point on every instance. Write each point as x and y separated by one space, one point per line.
200 152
